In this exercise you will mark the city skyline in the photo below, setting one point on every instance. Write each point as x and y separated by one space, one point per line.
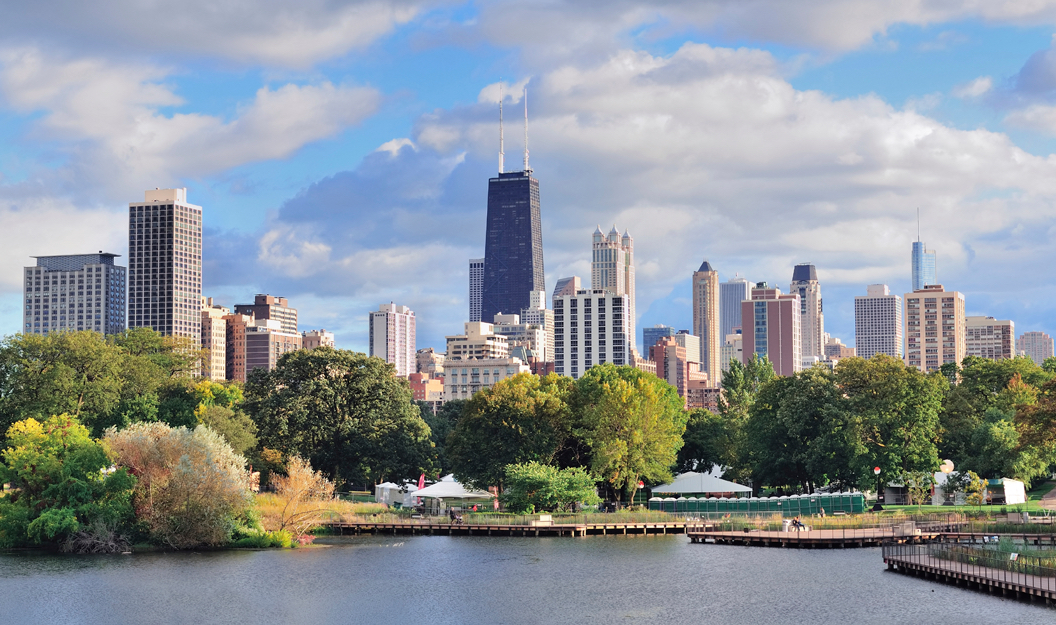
375 192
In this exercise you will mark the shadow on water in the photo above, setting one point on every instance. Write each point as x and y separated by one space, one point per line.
489 580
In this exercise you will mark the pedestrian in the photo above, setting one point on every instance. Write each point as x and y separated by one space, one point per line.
823 513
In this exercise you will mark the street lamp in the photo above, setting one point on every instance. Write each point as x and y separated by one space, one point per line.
947 468
879 493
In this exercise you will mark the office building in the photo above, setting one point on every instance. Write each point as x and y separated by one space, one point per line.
72 293
706 324
214 340
165 264
271 307
590 328
1037 345
478 343
519 334
476 287
464 377
651 335
392 336
428 361
812 319
310 339
925 269
878 322
691 343
732 349
934 328
567 286
539 315
731 294
612 269
990 338
703 394
513 245
774 332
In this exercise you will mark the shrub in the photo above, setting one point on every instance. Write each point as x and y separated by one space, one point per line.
191 486
305 496
531 486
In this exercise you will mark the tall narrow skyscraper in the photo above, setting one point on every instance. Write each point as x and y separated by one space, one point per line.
513 246
731 294
165 264
924 266
812 320
392 337
612 269
476 287
706 320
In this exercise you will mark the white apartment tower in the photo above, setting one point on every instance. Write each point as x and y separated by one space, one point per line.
590 328
878 322
993 339
392 336
537 314
165 264
812 320
214 340
72 293
612 269
1037 345
934 328
476 287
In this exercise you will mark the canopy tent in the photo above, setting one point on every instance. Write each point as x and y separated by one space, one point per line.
700 483
448 488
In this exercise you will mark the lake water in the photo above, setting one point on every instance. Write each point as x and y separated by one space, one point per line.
434 579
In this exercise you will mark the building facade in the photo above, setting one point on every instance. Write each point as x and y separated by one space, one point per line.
427 388
567 286
731 294
732 349
214 340
993 339
590 327
774 330
310 339
392 337
706 319
476 287
539 315
464 377
429 361
73 293
1037 345
165 264
836 350
266 342
674 367
934 328
271 307
519 334
479 342
513 246
878 322
235 350
612 269
651 335
925 268
812 318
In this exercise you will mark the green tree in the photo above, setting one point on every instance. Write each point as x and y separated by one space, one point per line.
440 427
632 422
1049 364
706 442
62 488
523 418
741 384
974 488
531 487
919 485
348 414
234 426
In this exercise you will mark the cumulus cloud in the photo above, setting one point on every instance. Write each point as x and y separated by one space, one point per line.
111 118
265 32
975 88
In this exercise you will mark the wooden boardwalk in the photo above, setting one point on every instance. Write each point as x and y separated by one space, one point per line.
451 529
815 539
918 561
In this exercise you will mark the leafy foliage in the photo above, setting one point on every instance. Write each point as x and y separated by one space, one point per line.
305 495
532 486
440 427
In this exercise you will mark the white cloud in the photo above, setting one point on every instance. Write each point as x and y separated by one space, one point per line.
975 88
1040 117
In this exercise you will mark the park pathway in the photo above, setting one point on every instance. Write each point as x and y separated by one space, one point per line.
1049 500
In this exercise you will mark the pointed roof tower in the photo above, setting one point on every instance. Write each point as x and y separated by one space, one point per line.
705 266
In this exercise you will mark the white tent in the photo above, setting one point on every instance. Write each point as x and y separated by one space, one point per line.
700 483
448 488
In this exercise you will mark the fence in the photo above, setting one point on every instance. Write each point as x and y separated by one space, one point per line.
976 564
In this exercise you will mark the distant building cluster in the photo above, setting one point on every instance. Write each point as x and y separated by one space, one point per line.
161 289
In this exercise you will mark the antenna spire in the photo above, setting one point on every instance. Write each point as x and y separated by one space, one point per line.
502 157
526 168
918 224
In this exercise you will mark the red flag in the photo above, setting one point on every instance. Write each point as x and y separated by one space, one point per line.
421 482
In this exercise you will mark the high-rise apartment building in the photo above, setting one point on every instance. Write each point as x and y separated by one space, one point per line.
691 343
310 339
214 340
773 331
1037 345
590 328
72 293
934 328
520 334
256 344
392 337
612 269
567 286
165 264
478 343
993 339
706 322
651 335
476 287
925 269
538 314
235 349
673 366
812 319
878 322
731 294
732 349
271 307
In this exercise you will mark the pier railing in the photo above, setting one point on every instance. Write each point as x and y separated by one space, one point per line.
975 563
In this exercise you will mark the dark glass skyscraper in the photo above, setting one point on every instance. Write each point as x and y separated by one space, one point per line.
513 247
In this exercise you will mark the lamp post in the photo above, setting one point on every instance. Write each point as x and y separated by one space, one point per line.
946 467
879 493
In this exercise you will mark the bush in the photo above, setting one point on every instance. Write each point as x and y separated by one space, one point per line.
265 540
305 496
191 486
531 486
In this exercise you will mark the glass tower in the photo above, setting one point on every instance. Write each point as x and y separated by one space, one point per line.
924 272
513 247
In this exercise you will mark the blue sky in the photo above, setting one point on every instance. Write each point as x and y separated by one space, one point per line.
341 150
